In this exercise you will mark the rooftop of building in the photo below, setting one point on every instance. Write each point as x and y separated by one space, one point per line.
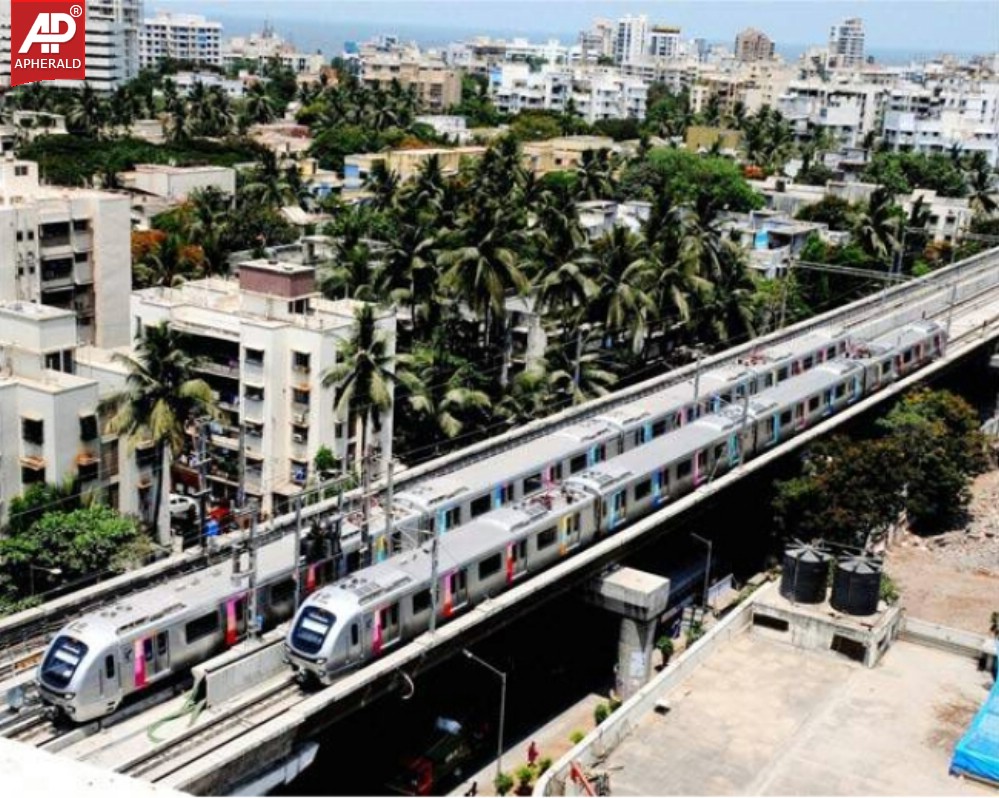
32 310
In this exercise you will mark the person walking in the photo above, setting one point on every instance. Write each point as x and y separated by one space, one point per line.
532 753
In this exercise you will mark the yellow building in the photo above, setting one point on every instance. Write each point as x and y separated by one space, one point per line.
703 137
405 163
437 87
565 152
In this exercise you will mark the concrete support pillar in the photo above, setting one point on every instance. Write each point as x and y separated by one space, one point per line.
640 598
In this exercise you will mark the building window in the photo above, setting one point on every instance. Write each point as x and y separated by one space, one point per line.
88 427
300 397
145 456
301 362
109 457
80 225
87 471
33 430
254 357
32 476
254 393
20 171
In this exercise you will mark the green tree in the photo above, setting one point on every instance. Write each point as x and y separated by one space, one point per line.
830 210
944 449
363 377
160 397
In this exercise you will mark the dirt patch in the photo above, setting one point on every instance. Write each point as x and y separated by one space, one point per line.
953 578
953 718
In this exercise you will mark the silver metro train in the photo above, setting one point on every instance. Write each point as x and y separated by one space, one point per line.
357 618
102 658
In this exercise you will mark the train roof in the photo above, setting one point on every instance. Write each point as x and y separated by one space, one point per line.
801 386
907 335
200 591
459 548
677 445
483 475
786 350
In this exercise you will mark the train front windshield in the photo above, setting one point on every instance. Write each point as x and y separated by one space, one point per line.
311 630
62 661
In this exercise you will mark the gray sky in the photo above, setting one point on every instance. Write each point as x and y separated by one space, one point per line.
953 25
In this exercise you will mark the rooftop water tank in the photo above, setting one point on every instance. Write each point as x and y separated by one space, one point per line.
806 571
857 585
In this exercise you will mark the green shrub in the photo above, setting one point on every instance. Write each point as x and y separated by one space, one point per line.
576 737
503 783
544 764
600 713
525 775
889 590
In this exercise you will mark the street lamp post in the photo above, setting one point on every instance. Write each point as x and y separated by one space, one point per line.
502 710
707 566
49 571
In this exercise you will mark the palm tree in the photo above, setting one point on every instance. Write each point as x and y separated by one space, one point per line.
268 183
168 265
623 303
582 375
207 223
981 185
258 106
86 111
594 178
727 313
439 389
363 377
408 271
383 183
160 397
876 226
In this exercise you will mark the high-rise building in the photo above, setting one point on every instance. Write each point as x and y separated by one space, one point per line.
630 38
436 85
753 45
66 247
846 43
664 42
112 44
182 37
598 41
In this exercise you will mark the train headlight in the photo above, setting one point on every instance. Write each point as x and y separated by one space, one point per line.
69 696
320 662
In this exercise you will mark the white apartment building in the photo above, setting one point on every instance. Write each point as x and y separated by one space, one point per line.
262 47
846 44
935 118
551 52
847 109
630 38
68 248
112 44
267 339
597 92
664 42
182 37
597 42
49 429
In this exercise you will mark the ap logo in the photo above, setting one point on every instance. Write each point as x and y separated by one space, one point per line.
47 40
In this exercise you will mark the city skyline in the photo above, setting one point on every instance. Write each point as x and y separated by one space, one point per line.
930 26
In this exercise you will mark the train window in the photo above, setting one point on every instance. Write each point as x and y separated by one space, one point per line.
481 505
109 666
782 374
490 566
885 367
785 418
768 379
147 649
577 463
683 469
557 472
659 428
639 435
907 357
161 643
841 390
283 591
725 398
830 353
532 483
62 660
547 537
355 634
205 626
643 489
452 518
719 452
506 494
771 429
311 629
599 453
807 363
421 602
813 404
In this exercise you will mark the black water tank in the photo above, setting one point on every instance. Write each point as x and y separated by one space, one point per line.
806 570
857 585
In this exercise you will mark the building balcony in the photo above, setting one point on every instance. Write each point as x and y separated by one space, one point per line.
218 369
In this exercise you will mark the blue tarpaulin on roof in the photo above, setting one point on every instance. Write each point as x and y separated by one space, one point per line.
977 753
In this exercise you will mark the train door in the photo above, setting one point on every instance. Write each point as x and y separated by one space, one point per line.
354 642
734 450
235 620
516 560
110 680
455 591
799 415
618 509
660 486
387 627
700 467
161 652
569 532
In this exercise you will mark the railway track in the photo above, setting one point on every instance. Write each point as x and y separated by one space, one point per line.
21 644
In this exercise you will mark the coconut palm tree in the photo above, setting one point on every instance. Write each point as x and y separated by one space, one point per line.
161 395
623 303
440 391
876 227
595 177
363 377
168 265
86 111
207 216
583 374
383 183
258 106
981 185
